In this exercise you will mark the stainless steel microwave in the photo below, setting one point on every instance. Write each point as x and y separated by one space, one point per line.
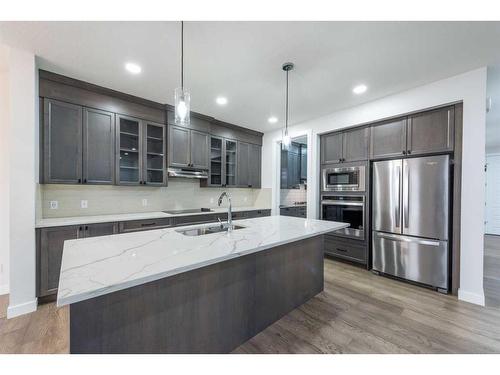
344 178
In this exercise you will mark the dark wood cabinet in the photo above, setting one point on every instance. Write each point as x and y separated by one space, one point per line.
431 131
345 146
98 147
249 165
230 166
351 250
188 148
255 166
199 149
388 139
62 146
295 211
215 170
355 146
50 245
331 148
140 155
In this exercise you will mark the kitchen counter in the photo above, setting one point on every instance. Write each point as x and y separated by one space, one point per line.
82 220
98 266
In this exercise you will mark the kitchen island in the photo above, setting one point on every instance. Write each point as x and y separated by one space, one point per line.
163 291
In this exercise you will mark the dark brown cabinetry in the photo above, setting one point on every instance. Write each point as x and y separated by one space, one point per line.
346 146
98 146
188 148
423 133
50 244
62 145
431 131
140 156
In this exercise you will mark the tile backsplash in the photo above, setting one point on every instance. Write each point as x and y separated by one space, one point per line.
290 196
102 199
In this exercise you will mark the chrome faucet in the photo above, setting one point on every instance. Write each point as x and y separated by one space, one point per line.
229 212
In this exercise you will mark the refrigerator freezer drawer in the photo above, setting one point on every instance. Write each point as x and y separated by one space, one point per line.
416 259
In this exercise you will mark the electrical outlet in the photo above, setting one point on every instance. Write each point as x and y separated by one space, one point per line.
212 200
54 205
246 199
144 202
84 204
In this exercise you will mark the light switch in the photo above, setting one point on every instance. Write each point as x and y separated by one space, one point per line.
84 204
54 205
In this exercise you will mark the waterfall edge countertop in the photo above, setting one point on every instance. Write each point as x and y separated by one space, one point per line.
95 219
96 266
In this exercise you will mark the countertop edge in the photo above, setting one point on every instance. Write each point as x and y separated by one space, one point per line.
63 301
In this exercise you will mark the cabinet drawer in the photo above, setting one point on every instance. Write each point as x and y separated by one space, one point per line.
347 249
258 213
138 225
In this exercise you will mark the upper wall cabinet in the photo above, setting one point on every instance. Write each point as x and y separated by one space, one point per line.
424 133
140 152
248 167
78 144
346 146
188 148
388 139
98 146
431 131
62 147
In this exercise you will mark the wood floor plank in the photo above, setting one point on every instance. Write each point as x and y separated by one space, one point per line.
358 312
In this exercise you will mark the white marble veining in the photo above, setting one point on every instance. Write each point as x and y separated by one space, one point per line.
100 265
82 220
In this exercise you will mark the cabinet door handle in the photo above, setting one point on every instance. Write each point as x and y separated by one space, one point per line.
86 227
84 180
79 180
404 152
147 224
409 152
341 250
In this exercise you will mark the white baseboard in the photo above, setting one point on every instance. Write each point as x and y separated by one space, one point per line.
4 289
21 309
476 298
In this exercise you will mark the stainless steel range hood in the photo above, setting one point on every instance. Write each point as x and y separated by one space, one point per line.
187 173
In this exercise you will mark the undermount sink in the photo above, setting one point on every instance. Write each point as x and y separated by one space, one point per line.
200 231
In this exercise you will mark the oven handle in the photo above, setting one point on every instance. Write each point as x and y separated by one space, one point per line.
342 203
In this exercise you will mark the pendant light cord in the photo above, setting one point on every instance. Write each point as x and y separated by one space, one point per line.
182 55
286 105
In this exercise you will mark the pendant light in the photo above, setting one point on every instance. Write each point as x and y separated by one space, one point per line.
286 141
182 97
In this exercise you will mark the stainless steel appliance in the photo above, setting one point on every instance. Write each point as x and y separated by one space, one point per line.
346 209
344 178
188 173
410 219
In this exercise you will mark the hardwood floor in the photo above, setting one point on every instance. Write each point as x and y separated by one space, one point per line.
358 312
492 270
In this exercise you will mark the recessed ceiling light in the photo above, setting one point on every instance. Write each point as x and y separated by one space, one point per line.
221 100
133 68
359 89
272 120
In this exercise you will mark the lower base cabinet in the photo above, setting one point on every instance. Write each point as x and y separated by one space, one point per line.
50 241
50 244
351 250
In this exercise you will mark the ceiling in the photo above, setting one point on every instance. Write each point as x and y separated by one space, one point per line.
242 60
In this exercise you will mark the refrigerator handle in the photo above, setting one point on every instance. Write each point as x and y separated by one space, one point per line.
397 208
406 193
420 241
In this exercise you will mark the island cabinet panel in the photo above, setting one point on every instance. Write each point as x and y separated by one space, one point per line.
431 132
50 245
212 309
388 139
98 147
62 146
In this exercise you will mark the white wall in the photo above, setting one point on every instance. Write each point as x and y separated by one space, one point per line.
22 138
470 88
4 168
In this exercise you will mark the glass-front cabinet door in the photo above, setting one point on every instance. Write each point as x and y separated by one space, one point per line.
230 162
154 155
215 175
129 163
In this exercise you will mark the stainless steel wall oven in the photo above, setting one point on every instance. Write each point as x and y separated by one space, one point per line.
346 209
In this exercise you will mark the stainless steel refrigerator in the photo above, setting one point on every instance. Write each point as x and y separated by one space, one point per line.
410 219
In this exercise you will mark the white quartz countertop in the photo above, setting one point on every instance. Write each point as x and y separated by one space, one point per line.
96 266
82 220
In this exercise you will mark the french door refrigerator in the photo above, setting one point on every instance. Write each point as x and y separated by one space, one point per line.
410 219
